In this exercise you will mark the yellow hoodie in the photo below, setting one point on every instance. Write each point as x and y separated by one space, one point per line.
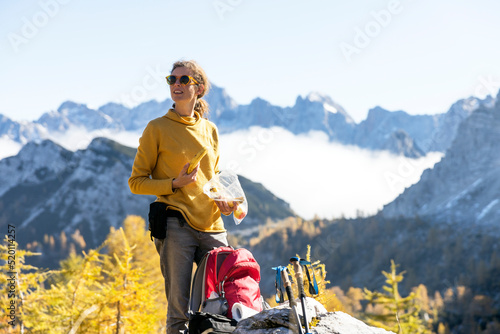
166 145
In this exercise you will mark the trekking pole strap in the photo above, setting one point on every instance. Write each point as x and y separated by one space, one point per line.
313 285
280 296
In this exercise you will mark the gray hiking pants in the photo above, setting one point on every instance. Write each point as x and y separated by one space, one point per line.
182 246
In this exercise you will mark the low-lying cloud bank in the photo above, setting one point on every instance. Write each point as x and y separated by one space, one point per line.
317 177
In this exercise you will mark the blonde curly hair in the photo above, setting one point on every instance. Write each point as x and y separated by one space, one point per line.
200 76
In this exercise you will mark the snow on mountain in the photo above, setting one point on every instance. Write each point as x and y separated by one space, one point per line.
309 114
327 102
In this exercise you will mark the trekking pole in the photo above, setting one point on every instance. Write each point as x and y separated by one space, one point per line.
293 304
300 285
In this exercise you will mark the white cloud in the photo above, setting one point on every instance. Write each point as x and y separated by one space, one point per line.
318 177
8 147
79 138
75 138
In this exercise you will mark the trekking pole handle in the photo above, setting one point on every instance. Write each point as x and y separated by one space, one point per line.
288 287
300 285
298 275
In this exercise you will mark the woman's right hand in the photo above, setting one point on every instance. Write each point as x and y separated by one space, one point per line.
226 208
184 178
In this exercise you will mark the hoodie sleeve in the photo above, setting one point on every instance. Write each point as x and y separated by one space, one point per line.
140 181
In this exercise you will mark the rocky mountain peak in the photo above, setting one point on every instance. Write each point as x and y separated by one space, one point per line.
259 102
464 107
379 116
44 153
379 112
114 110
112 150
464 188
71 107
71 114
326 103
35 162
8 127
220 101
449 122
102 144
319 97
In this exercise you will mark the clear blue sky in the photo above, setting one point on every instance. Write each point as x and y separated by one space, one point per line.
416 55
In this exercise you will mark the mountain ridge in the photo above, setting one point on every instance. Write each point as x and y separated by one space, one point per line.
394 131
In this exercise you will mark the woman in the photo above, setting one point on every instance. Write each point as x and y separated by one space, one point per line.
194 224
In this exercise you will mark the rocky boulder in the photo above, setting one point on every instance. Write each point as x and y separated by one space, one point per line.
278 320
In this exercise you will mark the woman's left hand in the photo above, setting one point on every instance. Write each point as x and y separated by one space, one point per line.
226 207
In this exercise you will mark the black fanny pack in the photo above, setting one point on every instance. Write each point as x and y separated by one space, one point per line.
202 322
158 215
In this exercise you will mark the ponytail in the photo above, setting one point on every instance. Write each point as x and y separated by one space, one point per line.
201 107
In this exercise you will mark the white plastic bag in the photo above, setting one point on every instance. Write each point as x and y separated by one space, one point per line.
226 187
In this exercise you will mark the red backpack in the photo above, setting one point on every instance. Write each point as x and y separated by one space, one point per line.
233 274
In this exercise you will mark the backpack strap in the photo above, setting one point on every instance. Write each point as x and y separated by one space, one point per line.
198 287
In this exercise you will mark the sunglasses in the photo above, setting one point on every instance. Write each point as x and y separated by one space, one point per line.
184 80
